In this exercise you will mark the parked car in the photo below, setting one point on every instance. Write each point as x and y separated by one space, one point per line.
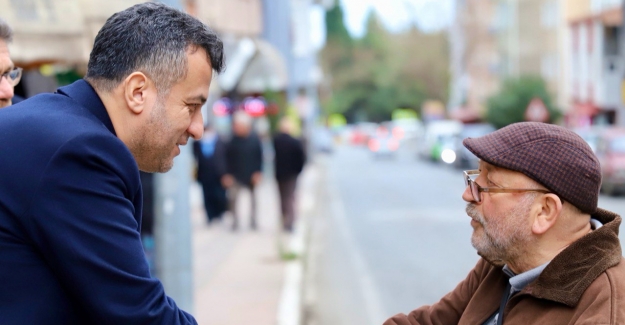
383 143
361 133
611 154
408 131
465 159
591 135
437 132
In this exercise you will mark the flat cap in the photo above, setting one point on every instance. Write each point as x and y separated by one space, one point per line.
554 156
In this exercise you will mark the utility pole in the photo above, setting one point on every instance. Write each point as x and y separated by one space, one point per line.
172 231
172 225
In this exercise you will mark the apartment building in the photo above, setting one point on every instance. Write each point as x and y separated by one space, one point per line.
597 66
474 56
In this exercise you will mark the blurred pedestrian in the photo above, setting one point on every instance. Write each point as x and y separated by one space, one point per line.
288 161
70 191
549 255
244 162
10 75
209 153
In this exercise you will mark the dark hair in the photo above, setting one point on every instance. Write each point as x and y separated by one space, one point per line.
152 38
6 33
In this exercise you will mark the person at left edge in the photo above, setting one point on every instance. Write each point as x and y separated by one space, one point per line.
10 75
70 195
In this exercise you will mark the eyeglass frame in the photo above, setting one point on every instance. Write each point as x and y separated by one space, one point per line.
477 196
11 81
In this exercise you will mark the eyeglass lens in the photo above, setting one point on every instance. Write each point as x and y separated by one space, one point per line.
13 76
474 189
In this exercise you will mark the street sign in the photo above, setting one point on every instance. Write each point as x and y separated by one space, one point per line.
537 111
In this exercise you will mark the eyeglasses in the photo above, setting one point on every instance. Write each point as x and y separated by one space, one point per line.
13 77
476 189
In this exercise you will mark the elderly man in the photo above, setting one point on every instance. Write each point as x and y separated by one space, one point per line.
289 162
549 255
244 164
9 74
70 194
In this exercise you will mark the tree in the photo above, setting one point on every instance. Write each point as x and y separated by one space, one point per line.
510 104
335 26
381 72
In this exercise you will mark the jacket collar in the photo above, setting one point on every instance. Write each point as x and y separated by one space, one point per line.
82 92
572 271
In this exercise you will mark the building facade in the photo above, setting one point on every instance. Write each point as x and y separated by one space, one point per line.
474 56
597 66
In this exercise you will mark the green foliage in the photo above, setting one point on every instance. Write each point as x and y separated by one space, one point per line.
381 72
510 104
335 26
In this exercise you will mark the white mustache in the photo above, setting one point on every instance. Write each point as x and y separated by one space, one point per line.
472 212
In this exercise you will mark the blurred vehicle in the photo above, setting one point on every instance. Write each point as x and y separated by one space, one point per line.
611 154
357 136
383 143
591 135
408 131
445 149
361 132
436 135
322 140
465 159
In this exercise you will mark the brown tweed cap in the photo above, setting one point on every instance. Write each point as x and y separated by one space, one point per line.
555 157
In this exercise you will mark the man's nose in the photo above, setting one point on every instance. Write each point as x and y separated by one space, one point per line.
6 89
467 195
196 128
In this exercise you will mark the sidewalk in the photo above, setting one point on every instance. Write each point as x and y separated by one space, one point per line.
240 277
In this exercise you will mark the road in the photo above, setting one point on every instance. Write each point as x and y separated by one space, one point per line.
389 236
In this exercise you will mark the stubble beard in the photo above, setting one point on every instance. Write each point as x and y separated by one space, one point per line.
152 148
504 238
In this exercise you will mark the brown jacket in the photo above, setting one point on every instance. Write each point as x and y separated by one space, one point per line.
584 284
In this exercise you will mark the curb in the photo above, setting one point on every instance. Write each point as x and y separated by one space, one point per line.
291 301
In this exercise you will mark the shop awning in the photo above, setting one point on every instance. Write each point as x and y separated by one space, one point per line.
253 66
267 70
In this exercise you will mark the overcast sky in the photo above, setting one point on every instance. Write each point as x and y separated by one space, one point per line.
397 15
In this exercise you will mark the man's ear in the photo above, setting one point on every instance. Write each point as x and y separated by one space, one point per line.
550 207
137 86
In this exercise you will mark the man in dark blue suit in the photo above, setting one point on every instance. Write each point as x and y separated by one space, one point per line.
70 195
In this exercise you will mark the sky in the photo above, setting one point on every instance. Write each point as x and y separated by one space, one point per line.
398 15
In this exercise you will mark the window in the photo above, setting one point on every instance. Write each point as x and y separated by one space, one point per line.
611 40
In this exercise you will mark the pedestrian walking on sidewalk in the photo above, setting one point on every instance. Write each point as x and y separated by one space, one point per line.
210 157
70 191
244 163
549 254
288 161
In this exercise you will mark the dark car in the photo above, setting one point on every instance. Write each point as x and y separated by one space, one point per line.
464 158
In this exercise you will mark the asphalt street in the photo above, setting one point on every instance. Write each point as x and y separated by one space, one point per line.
390 235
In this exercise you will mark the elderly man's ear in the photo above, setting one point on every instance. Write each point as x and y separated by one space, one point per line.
137 90
546 213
